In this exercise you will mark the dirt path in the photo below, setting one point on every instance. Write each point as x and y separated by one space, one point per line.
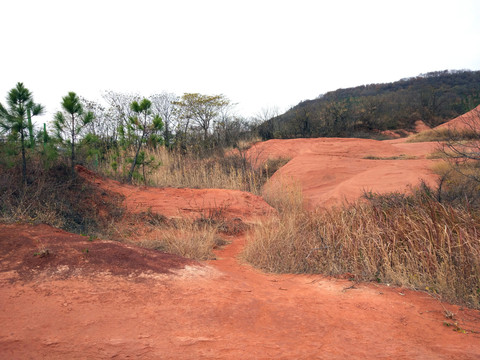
222 310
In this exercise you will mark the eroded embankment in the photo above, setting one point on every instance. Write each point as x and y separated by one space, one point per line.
330 171
183 202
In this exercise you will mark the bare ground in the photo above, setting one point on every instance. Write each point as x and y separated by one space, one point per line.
173 308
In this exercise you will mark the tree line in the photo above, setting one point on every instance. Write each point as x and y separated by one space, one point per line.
89 129
433 97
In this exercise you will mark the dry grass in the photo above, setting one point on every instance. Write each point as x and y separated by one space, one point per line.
52 197
412 241
190 238
396 157
224 170
77 206
443 135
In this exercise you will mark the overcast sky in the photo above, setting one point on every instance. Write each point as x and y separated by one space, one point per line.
259 53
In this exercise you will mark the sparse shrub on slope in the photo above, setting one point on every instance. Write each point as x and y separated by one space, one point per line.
54 198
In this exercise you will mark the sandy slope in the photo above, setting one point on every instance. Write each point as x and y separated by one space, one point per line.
332 170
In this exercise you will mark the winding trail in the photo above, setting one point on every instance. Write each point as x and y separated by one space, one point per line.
223 309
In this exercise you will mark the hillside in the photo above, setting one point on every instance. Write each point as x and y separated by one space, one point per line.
365 110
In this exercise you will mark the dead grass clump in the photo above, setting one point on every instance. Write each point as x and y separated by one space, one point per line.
193 239
397 157
444 134
459 184
189 239
271 166
285 195
413 241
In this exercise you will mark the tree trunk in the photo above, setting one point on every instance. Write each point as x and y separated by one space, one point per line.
24 158
167 135
73 147
132 169
30 129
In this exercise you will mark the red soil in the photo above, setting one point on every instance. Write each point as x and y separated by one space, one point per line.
221 310
332 170
118 301
178 203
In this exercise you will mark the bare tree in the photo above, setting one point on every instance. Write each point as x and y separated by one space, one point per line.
266 114
163 105
462 145
119 111
265 122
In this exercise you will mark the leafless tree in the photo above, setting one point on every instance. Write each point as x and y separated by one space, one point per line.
163 104
119 109
462 145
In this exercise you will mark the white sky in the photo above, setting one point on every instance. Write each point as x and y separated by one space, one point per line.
258 53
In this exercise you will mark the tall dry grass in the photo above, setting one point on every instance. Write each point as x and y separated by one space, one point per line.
190 238
186 238
413 241
229 169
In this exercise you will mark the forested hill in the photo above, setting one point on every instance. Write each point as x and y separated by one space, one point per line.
434 97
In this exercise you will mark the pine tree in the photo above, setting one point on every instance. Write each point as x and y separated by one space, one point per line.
17 119
70 123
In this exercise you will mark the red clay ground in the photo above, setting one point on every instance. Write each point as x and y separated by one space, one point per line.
221 310
118 301
330 171
179 203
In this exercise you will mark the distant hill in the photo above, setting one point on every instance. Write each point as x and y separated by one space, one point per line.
365 110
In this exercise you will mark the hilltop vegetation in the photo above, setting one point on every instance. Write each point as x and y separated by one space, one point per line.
361 111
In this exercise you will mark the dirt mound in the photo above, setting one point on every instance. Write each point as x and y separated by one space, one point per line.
27 251
463 122
421 126
332 170
193 203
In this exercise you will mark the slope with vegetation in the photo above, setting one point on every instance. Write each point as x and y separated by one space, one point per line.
362 111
